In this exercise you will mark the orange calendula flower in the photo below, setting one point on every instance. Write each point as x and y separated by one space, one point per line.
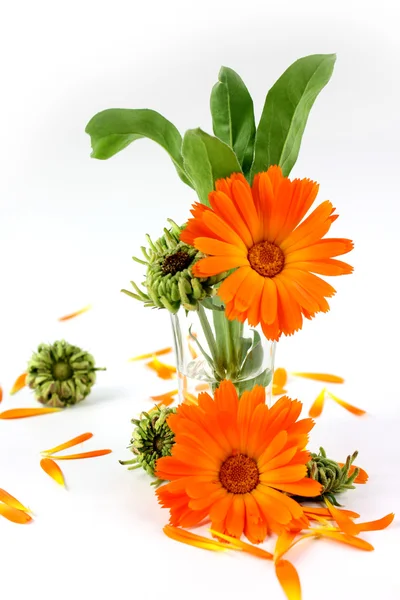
261 232
19 383
232 461
75 314
53 470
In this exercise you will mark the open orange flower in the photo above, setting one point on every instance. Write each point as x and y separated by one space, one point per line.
260 232
232 460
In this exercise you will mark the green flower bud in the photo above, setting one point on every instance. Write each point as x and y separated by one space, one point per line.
333 478
61 374
151 439
170 282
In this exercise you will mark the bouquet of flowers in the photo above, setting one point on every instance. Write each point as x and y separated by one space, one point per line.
241 272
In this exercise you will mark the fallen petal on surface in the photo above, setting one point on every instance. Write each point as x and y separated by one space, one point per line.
19 383
289 579
91 454
14 515
21 413
318 405
75 314
53 470
151 354
352 409
73 442
326 377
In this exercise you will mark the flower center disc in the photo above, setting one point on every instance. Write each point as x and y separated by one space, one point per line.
62 371
239 474
266 258
176 262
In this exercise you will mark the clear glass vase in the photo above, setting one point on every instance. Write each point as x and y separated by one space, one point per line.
209 348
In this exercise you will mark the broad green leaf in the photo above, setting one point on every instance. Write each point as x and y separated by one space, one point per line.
286 111
254 358
114 129
206 159
264 379
233 116
244 346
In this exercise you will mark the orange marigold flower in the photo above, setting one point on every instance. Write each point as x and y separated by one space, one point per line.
261 232
232 460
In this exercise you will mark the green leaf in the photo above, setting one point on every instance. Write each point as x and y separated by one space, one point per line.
264 379
254 358
114 129
213 303
244 345
233 115
286 111
206 159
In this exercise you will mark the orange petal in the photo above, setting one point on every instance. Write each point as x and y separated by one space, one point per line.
239 545
280 377
192 351
51 468
151 354
180 535
190 398
1 393
167 397
76 440
91 454
376 525
283 543
318 404
21 413
289 579
163 370
338 536
14 515
75 314
278 391
320 377
20 383
343 521
362 476
11 501
202 387
310 511
353 409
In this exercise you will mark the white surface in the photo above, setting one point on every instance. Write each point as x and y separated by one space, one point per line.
69 226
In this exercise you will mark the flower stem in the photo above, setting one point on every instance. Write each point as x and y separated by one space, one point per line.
210 341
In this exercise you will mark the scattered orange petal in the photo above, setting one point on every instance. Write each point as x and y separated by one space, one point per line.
14 515
202 387
167 397
91 454
192 351
1 393
151 354
53 470
280 377
376 525
20 383
338 536
320 377
75 314
318 405
163 370
283 543
353 409
362 476
239 545
76 440
344 522
289 579
278 391
21 413
180 535
190 398
311 511
11 501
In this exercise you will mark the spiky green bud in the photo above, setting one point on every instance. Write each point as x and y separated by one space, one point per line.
61 374
151 439
331 476
170 282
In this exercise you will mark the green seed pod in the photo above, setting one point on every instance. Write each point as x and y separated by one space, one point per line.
169 281
61 374
151 439
333 478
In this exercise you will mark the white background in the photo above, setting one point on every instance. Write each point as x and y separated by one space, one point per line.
69 225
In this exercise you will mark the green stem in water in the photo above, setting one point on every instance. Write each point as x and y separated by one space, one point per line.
210 341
